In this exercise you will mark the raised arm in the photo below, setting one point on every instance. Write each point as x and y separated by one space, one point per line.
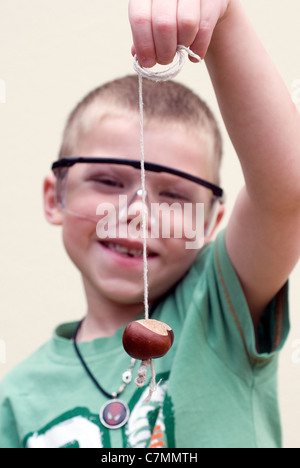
264 230
263 235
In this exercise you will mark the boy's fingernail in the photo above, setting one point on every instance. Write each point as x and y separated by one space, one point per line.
148 62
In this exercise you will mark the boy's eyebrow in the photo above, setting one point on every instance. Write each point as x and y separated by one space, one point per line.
152 167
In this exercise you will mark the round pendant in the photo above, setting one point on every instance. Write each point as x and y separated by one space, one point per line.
114 414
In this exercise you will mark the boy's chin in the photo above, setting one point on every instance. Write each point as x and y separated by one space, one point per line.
122 293
128 298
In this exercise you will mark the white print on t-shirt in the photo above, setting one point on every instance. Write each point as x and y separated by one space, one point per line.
77 429
81 429
138 430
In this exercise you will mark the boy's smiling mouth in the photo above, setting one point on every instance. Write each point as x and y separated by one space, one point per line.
127 249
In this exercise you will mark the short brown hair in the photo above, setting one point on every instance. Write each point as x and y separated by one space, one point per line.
164 101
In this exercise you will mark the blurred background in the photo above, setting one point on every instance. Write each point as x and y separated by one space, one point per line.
52 52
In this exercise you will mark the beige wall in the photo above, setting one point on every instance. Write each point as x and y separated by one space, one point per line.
51 53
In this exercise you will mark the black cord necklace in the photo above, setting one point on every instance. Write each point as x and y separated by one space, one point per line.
115 413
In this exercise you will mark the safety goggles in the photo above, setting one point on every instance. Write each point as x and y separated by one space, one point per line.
88 187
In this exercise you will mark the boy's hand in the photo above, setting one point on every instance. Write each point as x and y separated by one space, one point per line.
159 26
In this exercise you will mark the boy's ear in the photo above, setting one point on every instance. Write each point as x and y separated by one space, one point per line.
53 211
220 215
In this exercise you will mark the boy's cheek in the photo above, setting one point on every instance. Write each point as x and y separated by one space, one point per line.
177 258
76 237
172 268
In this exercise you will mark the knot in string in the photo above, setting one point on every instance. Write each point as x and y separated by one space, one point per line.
141 378
170 71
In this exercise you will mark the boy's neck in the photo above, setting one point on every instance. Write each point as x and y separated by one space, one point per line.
93 327
105 317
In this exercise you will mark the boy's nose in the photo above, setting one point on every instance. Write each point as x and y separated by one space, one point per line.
135 208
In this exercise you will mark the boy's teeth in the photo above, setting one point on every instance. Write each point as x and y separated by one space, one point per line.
124 250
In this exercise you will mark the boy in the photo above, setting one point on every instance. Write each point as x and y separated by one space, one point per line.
227 303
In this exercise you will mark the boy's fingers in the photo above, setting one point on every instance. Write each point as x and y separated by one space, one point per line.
159 26
209 16
140 17
188 21
164 27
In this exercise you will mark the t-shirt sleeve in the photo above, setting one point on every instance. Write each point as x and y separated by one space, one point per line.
212 303
9 437
231 330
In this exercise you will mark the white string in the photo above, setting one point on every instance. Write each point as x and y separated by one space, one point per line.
167 73
144 208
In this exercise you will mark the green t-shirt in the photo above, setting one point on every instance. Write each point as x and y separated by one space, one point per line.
217 390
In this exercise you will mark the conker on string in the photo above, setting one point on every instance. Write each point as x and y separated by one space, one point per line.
147 339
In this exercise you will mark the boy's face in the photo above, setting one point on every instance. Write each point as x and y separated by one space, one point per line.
107 270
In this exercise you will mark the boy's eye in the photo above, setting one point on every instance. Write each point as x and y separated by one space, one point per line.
174 196
108 182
